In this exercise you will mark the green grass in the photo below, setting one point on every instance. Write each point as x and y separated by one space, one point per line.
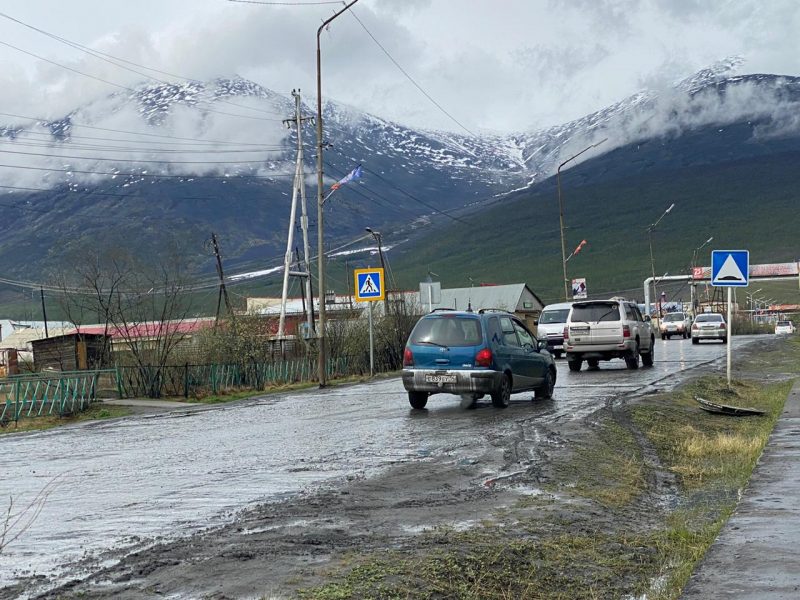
95 412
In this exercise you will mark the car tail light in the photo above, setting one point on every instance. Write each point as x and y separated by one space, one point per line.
484 358
566 333
408 358
722 325
695 326
626 331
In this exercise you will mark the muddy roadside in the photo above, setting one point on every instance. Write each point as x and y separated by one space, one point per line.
617 504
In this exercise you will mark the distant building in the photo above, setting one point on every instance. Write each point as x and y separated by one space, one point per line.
516 298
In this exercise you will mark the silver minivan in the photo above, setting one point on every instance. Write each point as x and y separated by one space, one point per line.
551 324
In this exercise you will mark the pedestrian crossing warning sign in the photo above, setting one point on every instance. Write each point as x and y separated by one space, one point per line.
730 268
369 285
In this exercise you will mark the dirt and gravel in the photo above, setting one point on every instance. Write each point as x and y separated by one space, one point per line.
375 479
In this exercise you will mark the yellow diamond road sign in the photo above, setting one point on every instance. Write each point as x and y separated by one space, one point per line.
369 285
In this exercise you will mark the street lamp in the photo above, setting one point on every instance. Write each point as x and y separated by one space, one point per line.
377 236
650 230
694 266
696 250
561 215
322 356
750 301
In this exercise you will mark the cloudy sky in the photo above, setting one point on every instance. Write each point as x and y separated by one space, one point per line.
497 65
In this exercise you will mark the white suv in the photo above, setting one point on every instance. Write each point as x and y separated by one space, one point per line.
604 329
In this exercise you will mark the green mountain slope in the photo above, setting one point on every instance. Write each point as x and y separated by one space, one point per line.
746 203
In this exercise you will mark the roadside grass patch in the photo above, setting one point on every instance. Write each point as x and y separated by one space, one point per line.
707 450
596 534
579 566
95 412
608 469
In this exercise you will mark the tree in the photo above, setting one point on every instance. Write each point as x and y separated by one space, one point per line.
141 303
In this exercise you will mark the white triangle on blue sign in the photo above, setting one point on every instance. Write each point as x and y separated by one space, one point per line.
730 272
368 287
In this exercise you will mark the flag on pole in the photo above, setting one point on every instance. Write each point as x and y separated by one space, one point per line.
354 174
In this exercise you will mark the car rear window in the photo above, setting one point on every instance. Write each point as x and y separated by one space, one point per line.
448 331
708 318
595 311
784 323
674 317
554 316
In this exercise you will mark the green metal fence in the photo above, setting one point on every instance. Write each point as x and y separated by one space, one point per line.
46 394
187 380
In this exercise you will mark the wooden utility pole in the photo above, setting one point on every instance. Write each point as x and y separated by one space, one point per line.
223 292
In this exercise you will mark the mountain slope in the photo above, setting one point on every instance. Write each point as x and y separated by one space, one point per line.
725 183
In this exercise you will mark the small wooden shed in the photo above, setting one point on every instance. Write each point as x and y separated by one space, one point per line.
72 352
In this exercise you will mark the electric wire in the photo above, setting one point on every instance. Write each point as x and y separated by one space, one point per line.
146 175
118 85
409 77
135 160
129 132
111 60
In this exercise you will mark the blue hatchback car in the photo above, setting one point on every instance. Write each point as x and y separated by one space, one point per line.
473 354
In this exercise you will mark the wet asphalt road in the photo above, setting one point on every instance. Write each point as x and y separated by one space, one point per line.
168 474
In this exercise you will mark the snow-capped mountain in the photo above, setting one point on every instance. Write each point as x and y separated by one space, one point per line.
192 157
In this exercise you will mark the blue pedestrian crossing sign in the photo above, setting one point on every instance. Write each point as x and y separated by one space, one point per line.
369 285
730 268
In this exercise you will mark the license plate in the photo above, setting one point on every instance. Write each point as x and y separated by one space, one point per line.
558 347
579 329
440 378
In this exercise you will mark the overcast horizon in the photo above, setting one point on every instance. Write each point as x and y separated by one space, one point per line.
526 66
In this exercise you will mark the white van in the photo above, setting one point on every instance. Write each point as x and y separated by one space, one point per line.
551 326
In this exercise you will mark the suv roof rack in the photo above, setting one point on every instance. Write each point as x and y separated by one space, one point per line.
442 309
488 310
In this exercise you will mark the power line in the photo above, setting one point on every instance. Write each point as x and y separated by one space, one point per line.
205 148
408 76
136 160
110 59
286 3
92 193
148 175
118 85
157 135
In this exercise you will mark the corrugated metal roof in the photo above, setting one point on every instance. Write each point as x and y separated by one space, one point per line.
22 338
509 297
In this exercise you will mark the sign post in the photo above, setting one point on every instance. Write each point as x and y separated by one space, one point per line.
730 269
369 287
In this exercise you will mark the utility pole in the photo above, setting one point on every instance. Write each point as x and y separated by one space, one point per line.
223 292
322 350
298 188
44 312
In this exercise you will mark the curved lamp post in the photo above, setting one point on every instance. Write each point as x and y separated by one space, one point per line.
322 350
561 215
650 230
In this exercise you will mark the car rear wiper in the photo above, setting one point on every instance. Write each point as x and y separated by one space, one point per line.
431 343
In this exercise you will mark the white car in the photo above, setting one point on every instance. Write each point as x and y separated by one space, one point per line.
784 327
676 323
709 326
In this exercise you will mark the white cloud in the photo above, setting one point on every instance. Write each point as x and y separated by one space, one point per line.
506 66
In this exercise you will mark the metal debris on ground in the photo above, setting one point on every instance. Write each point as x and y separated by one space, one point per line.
725 409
